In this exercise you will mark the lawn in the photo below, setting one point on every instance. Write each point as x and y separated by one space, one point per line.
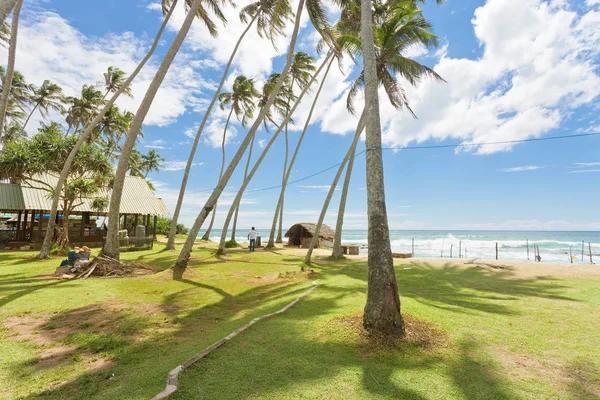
502 335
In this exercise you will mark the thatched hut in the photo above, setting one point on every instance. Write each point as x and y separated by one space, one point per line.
301 235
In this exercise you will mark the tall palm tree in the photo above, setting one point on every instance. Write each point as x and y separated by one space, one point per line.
195 9
300 72
45 250
12 53
6 7
114 79
84 109
394 34
184 255
48 97
238 197
151 162
241 101
271 17
12 133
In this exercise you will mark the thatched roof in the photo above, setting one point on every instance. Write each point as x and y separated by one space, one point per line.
326 232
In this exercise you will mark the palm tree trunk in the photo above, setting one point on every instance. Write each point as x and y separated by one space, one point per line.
214 212
45 251
188 167
279 207
30 114
238 198
351 150
10 68
184 256
6 7
237 209
382 311
285 161
337 239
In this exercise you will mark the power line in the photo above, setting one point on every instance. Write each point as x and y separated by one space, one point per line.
438 146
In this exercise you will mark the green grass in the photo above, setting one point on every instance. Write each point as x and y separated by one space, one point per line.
510 336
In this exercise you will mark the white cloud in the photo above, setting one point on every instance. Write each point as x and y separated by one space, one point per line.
539 63
50 48
324 188
521 169
178 165
156 144
584 170
262 143
213 133
587 164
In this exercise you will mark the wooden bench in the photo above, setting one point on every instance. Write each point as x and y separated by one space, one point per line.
350 249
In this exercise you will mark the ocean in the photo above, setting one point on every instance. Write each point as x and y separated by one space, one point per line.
554 246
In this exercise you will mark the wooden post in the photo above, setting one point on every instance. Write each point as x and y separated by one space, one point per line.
582 249
31 226
496 250
466 253
413 247
460 249
590 246
527 240
571 254
24 225
40 223
81 224
451 250
18 232
154 230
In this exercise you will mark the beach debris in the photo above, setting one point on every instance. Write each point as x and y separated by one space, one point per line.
107 267
481 263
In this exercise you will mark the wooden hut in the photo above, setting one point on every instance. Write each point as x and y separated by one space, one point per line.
301 235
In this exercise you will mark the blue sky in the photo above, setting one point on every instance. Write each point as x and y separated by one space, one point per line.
514 69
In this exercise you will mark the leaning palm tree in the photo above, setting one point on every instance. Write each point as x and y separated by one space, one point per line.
238 197
168 9
317 15
12 53
84 109
271 17
241 101
48 97
114 80
195 9
6 7
151 162
300 72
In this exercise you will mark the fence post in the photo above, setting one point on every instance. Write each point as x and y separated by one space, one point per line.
582 249
571 254
460 249
527 249
466 253
590 245
451 250
496 250
413 247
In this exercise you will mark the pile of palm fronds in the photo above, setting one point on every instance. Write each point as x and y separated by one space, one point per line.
107 267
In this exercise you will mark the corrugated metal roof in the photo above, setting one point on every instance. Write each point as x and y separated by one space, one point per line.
137 197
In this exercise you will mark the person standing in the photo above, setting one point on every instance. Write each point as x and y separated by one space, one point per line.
252 237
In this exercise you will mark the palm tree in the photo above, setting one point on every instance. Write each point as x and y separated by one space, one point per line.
238 197
281 107
12 52
12 133
47 98
393 35
151 162
45 250
114 79
271 16
302 67
241 100
184 255
136 164
84 109
195 9
6 7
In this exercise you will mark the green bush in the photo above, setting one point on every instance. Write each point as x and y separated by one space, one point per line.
163 226
230 244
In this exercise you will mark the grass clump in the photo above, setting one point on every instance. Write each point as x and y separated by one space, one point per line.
97 342
230 244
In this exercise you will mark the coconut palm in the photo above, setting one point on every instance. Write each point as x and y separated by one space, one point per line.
238 197
279 106
316 13
12 133
195 9
12 53
271 17
45 251
151 162
84 109
48 97
241 101
114 79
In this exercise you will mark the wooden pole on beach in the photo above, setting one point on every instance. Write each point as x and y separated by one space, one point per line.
527 240
590 246
496 250
582 249
413 247
451 250
571 254
466 253
459 249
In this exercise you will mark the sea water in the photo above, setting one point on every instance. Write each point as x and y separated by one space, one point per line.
512 245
